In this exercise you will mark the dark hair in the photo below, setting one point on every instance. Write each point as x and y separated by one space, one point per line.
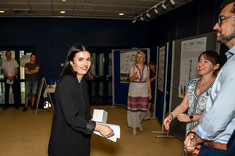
33 54
152 63
226 2
68 69
213 57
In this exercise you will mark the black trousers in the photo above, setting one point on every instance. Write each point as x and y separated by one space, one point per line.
14 87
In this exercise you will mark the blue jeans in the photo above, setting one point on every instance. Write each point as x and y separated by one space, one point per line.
31 85
208 151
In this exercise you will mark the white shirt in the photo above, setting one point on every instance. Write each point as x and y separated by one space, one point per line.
10 66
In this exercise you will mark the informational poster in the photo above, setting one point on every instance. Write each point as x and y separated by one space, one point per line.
190 51
127 58
24 59
161 68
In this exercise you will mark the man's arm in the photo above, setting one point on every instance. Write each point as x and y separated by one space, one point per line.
217 118
27 71
5 73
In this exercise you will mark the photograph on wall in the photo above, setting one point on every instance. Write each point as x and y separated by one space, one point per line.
190 51
161 68
127 58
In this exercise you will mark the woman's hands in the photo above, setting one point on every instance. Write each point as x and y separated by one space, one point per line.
167 121
183 118
104 130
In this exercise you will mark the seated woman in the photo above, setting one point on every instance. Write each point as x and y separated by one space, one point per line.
197 93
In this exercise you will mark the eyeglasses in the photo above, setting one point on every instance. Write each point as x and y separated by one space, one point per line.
221 18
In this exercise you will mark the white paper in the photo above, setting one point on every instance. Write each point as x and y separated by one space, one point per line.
100 115
116 131
9 82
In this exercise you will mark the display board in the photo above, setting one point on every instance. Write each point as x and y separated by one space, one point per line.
161 68
122 60
184 54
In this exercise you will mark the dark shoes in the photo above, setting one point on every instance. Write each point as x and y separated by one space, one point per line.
25 109
32 107
5 107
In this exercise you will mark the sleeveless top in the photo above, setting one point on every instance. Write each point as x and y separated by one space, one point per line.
196 103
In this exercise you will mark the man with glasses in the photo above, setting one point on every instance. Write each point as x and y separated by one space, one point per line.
217 124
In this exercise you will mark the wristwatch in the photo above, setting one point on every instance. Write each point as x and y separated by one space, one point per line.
191 117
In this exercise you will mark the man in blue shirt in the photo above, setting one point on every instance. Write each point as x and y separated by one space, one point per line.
217 123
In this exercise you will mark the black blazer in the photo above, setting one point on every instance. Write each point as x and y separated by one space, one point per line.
71 125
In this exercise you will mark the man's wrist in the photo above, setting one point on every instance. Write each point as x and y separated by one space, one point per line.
193 141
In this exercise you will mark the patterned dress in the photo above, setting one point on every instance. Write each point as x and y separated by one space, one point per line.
196 105
137 102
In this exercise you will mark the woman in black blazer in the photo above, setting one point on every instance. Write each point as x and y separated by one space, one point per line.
72 126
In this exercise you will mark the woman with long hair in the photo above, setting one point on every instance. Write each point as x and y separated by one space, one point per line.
72 126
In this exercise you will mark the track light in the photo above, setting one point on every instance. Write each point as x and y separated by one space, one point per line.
134 21
156 11
148 15
163 6
172 2
141 18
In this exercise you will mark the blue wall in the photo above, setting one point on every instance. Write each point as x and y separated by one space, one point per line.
52 37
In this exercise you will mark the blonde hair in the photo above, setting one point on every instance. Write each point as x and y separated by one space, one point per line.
142 53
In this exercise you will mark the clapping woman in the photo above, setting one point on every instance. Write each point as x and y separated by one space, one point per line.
139 92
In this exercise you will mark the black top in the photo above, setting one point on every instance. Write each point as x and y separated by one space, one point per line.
151 75
31 77
71 125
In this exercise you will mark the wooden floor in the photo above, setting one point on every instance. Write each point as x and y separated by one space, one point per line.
24 134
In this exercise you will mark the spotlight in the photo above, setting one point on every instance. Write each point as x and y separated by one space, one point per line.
172 2
156 11
141 18
163 6
134 20
148 15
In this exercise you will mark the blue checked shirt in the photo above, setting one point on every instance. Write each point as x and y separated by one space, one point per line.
218 120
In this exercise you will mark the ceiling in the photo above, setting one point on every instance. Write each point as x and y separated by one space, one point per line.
103 9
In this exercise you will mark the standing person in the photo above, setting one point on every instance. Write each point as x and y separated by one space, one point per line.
197 93
152 78
31 73
217 123
10 70
72 126
139 92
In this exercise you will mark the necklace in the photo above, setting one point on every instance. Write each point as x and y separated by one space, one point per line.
205 83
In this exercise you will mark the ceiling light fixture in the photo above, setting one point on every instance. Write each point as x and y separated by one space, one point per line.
172 2
62 12
163 5
2 11
156 11
63 1
148 15
121 14
153 8
134 21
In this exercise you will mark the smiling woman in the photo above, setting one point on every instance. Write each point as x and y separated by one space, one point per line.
72 126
